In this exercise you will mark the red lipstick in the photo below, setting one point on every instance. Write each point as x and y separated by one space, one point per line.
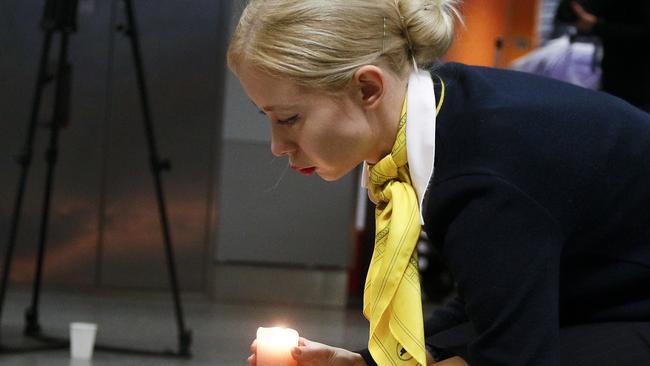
304 171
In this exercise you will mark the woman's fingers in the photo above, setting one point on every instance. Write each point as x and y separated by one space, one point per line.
313 353
296 353
303 343
252 360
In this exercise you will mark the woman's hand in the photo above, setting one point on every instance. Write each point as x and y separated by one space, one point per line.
310 353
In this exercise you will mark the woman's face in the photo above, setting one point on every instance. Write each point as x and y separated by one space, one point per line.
319 133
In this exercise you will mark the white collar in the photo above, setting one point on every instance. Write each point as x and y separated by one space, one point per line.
420 134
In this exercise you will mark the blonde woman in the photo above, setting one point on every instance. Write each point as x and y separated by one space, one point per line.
536 192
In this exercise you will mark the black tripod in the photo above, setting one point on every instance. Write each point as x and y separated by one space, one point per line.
59 16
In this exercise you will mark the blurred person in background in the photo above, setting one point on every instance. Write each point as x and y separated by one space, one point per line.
624 30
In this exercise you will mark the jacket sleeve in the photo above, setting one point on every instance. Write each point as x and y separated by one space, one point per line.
504 251
445 317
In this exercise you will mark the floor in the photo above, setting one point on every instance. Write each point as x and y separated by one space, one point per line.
222 332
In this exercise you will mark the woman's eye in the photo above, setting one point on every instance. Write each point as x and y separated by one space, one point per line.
289 121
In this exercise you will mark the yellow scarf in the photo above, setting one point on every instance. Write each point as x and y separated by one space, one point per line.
392 301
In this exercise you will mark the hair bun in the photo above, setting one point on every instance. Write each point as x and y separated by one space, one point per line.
430 25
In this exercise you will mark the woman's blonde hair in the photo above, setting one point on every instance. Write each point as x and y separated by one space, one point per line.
321 43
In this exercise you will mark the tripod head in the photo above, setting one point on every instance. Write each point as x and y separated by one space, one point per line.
60 15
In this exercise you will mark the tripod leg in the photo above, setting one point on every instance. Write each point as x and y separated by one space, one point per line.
25 161
184 335
60 117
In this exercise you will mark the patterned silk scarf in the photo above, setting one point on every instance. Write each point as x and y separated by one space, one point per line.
392 301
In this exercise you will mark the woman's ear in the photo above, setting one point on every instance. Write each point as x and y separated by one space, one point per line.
371 83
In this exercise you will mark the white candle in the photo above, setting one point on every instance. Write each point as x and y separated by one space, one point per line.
274 346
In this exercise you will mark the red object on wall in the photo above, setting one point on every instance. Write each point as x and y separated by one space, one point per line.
515 21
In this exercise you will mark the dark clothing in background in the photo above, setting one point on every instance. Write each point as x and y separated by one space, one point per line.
540 206
624 29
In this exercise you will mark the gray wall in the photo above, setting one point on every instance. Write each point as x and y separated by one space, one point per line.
104 223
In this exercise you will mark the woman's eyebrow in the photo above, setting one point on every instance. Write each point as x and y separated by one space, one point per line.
272 108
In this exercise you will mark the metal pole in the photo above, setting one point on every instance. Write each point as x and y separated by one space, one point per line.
25 160
157 165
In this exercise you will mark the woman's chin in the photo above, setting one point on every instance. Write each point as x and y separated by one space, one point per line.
330 176
327 177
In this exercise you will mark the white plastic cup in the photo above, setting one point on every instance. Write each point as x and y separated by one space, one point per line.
82 340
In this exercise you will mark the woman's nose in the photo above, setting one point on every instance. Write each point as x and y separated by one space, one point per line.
281 145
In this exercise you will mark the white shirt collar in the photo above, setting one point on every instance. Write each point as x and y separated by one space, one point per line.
420 134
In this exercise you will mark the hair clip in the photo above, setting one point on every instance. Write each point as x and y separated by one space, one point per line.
383 40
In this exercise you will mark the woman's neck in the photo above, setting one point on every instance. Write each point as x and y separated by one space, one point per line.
388 117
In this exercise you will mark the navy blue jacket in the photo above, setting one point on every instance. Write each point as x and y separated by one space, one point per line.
540 206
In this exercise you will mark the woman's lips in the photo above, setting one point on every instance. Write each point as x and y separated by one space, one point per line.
305 171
